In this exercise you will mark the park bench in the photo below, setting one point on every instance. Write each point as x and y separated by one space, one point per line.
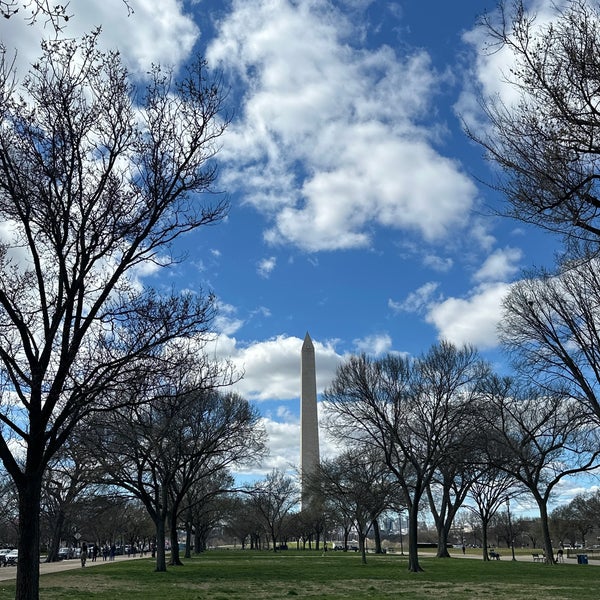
538 557
494 555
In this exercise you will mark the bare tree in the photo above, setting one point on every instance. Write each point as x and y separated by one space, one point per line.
540 438
174 435
9 513
447 491
92 188
55 15
489 492
67 477
579 517
412 410
546 143
273 500
357 483
550 327
203 506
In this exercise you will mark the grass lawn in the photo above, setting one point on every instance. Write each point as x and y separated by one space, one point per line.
245 575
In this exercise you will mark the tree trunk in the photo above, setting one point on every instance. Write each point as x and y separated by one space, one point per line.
442 544
274 540
377 537
484 535
28 563
413 550
198 541
546 531
361 545
56 536
188 539
175 560
161 561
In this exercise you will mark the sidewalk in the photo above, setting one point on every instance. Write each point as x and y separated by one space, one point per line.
505 555
8 573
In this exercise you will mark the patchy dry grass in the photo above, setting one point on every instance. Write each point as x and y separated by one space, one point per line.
239 575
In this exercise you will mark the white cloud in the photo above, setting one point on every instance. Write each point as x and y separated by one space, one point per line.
438 263
492 67
500 265
416 301
375 345
226 321
266 266
272 367
283 430
471 320
327 144
153 34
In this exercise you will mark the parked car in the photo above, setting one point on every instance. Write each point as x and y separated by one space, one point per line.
3 553
64 553
11 557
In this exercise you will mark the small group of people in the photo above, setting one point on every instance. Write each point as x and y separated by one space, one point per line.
92 551
109 552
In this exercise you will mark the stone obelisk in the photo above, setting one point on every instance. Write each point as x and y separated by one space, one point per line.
309 423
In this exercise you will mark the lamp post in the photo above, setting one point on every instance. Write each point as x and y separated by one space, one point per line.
510 531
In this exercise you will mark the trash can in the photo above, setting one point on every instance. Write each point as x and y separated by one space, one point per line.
582 559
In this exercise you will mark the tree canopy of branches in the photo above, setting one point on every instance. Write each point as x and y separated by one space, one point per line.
68 475
539 438
170 440
272 500
359 487
56 15
550 326
93 189
489 491
574 521
413 411
546 143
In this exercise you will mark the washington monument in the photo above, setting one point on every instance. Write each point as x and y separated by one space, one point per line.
309 423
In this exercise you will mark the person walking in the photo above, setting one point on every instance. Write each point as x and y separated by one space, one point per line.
83 555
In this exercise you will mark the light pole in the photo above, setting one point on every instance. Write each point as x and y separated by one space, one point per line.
510 531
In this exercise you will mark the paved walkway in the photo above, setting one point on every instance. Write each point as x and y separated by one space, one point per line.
505 554
8 573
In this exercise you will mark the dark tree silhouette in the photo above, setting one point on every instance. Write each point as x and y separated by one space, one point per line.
546 142
412 410
93 189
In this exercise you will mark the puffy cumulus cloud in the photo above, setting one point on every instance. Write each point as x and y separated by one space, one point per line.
375 345
152 34
271 368
471 320
500 265
283 430
327 144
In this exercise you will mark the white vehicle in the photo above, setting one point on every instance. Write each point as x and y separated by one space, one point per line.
3 553
11 557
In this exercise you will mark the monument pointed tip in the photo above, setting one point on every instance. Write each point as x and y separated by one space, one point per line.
307 341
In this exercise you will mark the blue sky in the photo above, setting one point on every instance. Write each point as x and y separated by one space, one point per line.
357 211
